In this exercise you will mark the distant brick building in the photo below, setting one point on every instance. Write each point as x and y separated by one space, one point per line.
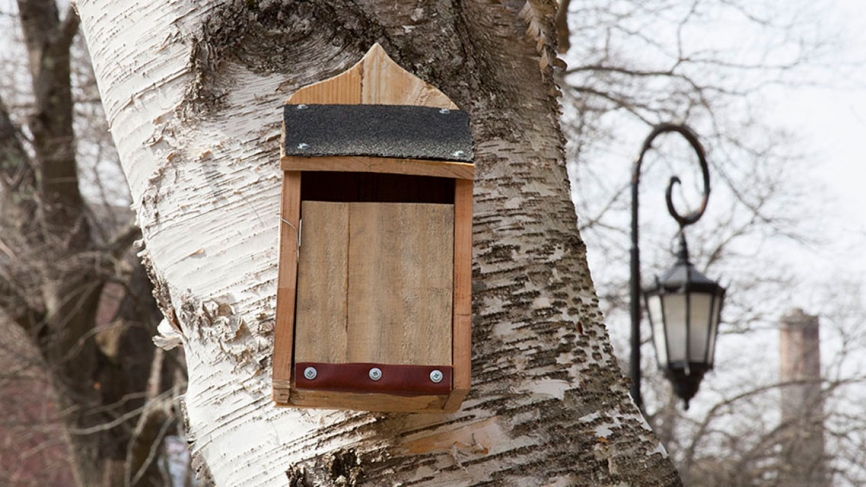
32 443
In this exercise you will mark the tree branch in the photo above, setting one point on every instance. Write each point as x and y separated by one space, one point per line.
122 242
48 41
15 165
562 32
68 29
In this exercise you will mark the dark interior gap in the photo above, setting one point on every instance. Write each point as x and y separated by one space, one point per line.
348 187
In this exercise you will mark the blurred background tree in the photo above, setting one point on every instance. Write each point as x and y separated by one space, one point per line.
76 310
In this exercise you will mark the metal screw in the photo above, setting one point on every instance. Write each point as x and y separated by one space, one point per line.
436 376
310 373
375 373
303 146
301 107
444 111
458 153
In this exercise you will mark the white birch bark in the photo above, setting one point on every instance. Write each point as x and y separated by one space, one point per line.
199 143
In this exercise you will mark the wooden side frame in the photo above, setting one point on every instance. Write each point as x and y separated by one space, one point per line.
461 357
287 284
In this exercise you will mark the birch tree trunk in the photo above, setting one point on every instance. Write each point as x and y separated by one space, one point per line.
193 91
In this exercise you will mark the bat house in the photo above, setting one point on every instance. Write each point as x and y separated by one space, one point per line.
374 291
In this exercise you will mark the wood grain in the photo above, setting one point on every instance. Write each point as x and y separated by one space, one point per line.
366 402
290 210
462 334
375 79
400 283
320 328
420 167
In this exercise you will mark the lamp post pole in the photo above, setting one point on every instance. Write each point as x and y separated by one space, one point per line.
635 280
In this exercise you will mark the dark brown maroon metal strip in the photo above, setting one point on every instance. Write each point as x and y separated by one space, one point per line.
397 380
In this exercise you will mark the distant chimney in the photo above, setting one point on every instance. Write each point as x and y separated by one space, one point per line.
802 402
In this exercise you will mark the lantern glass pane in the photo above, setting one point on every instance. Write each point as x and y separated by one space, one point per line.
675 324
700 317
654 306
714 326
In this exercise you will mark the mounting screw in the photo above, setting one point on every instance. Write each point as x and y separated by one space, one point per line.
436 376
458 153
303 146
310 373
301 107
444 111
375 373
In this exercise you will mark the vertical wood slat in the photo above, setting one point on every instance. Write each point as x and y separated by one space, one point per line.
321 322
400 283
290 209
462 346
344 88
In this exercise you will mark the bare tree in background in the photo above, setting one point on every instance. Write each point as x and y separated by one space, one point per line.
61 254
711 63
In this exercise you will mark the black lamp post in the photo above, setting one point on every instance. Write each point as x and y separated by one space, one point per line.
684 305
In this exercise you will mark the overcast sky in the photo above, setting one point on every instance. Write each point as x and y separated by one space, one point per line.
832 124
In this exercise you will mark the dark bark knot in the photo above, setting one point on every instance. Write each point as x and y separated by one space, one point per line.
342 469
272 37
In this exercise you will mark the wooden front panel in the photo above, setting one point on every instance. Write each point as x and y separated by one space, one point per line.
375 283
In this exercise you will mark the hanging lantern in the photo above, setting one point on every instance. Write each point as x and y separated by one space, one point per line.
684 308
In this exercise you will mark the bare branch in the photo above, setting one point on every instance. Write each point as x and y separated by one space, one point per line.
562 32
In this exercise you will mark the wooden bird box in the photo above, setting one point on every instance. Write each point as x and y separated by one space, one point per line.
374 292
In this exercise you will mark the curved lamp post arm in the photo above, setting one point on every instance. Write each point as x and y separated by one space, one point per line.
682 220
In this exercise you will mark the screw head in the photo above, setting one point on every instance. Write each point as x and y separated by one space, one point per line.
444 111
310 373
436 376
458 153
303 146
375 373
301 107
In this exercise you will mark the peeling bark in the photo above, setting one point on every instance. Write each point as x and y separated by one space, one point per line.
192 91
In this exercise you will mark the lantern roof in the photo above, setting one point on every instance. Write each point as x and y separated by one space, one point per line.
684 277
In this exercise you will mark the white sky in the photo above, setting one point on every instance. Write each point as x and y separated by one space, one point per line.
832 124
